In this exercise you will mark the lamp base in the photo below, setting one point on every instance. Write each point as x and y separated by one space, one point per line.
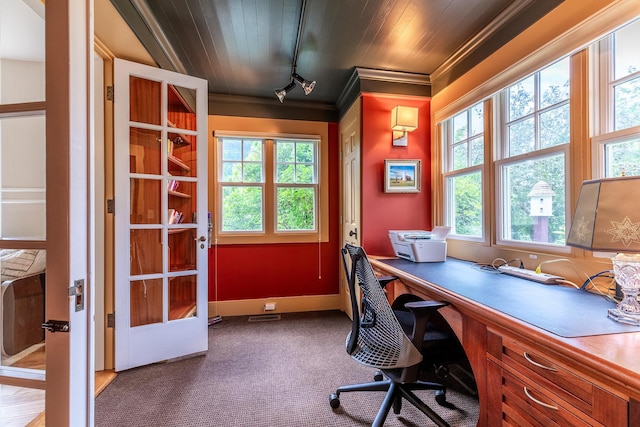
622 317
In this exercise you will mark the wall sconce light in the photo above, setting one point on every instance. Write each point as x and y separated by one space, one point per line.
403 120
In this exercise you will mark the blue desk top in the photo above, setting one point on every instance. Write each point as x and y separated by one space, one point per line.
564 311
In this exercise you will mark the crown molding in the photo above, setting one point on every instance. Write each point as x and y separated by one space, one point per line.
247 106
369 80
513 20
161 39
388 76
500 21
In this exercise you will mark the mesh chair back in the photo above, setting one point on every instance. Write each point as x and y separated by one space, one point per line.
379 340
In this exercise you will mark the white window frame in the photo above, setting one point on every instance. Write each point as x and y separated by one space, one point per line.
500 205
449 212
502 160
446 133
603 103
315 185
222 184
269 234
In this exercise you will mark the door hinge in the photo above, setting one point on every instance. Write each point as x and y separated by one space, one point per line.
56 326
109 93
111 320
111 206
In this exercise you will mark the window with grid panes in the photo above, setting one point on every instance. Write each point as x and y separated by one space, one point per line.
268 186
618 143
533 159
463 140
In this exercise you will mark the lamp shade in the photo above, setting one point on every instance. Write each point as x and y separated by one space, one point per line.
404 119
607 216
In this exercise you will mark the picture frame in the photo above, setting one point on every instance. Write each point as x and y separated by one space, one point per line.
402 176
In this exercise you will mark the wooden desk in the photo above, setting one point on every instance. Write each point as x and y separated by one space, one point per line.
525 373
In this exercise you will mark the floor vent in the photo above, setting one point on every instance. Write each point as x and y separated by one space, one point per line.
264 318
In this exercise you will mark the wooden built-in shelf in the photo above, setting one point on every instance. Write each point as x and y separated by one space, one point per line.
180 267
180 140
179 194
178 164
178 230
182 311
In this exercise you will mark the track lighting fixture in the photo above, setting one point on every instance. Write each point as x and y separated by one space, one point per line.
281 93
306 84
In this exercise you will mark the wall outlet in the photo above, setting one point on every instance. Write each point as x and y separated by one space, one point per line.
269 306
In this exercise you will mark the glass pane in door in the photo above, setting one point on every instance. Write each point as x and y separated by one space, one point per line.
182 199
181 108
146 252
145 200
146 302
144 100
182 249
144 151
22 53
22 301
181 121
22 177
182 297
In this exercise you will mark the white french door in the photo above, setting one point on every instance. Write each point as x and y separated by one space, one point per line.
46 141
350 174
160 153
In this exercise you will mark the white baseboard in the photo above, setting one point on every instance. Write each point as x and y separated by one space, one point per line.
249 307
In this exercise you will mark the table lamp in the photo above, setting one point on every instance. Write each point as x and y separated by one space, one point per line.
607 219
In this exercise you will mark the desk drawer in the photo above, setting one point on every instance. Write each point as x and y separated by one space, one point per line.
566 388
526 405
542 370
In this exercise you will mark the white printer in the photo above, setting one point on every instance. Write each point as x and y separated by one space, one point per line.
420 245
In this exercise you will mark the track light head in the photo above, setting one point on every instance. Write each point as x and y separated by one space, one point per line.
307 85
281 93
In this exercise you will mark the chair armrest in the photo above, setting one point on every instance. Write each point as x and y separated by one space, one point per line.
385 280
421 311
429 305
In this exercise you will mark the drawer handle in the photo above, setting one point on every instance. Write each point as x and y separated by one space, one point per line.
539 365
546 405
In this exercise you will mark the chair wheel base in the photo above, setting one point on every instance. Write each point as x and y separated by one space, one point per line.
334 401
378 376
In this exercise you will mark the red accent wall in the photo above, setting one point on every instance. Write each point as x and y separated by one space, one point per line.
282 270
382 211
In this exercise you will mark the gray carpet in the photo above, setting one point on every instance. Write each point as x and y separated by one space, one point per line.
263 374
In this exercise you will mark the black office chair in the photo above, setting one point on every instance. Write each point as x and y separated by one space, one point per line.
447 361
378 340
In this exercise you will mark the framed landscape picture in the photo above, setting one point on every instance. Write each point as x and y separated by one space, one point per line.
402 176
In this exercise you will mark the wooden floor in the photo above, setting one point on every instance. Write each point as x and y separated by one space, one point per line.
103 378
20 407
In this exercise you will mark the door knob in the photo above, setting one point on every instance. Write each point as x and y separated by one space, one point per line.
200 239
354 233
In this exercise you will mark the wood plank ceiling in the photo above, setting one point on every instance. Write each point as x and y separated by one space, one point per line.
246 48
